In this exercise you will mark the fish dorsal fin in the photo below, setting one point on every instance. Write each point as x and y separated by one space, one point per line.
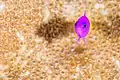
85 13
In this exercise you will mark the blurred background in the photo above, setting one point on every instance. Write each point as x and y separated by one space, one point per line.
38 42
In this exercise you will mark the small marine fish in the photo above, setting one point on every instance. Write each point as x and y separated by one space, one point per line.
82 27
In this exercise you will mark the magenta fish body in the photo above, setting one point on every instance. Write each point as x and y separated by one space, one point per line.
82 27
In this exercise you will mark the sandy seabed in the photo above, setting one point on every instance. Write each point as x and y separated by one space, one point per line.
38 42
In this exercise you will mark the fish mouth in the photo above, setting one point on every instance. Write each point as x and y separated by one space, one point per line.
78 31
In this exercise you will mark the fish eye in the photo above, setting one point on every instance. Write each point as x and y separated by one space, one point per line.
84 26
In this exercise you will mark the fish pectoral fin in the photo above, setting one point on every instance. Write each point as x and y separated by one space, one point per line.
84 39
85 42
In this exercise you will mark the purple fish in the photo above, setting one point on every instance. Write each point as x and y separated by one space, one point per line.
82 27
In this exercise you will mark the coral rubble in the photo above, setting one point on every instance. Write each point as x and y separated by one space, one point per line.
26 27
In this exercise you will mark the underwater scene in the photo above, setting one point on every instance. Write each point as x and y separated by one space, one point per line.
59 39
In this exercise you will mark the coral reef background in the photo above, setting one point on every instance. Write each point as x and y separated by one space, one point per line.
37 40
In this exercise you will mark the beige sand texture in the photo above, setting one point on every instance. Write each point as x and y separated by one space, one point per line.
38 42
